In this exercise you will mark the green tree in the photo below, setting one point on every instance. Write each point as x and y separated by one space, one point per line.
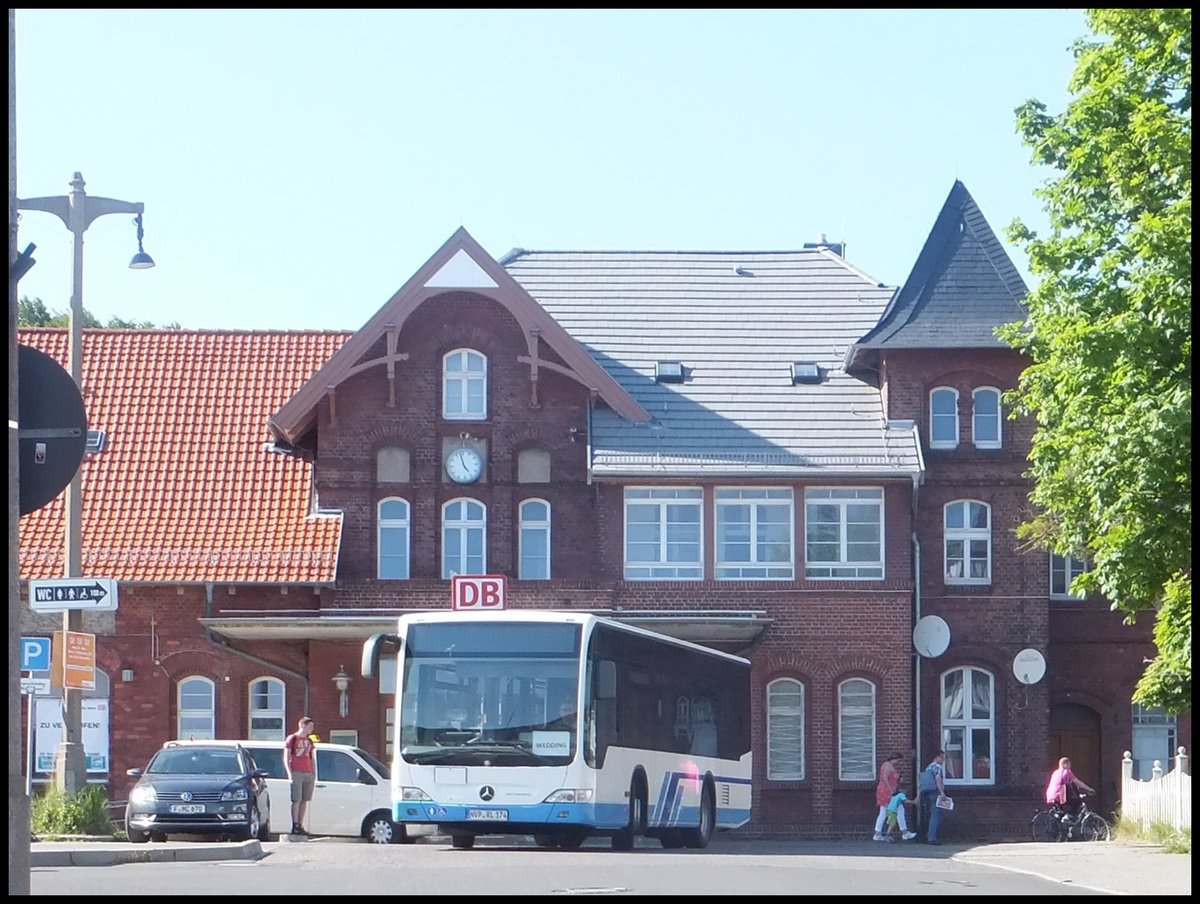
33 312
1109 328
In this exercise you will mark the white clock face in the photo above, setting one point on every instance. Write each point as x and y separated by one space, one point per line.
464 465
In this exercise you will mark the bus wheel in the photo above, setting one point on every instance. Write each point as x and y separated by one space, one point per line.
463 842
700 836
623 840
570 842
544 841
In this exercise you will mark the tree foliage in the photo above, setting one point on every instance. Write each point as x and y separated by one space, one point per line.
33 312
1109 328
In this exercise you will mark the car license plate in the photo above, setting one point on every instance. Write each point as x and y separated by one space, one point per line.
187 808
487 814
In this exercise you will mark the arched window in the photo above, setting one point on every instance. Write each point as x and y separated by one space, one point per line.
535 540
197 707
969 726
267 698
968 539
393 539
464 385
943 418
856 730
785 730
985 420
464 535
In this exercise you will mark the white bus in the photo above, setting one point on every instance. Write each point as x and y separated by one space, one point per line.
564 725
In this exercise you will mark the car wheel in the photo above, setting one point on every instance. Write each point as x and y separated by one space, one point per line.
137 836
158 837
253 825
381 830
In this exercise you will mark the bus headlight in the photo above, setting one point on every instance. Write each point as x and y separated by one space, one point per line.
413 794
570 796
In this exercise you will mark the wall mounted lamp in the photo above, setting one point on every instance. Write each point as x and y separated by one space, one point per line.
342 682
126 674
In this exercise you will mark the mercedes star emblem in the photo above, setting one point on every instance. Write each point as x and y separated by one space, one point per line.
487 792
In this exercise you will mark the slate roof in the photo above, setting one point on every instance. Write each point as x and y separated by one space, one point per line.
962 286
186 489
736 320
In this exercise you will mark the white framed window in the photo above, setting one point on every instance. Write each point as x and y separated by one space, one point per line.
969 726
1063 570
267 712
197 708
856 730
464 532
464 385
1155 737
943 418
843 530
985 418
755 534
663 531
968 539
785 730
393 538
534 540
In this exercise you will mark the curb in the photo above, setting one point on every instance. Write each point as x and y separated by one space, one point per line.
81 856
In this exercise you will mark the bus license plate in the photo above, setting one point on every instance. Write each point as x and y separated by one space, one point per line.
487 814
187 808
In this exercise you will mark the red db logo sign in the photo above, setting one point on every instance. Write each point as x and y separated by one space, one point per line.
477 591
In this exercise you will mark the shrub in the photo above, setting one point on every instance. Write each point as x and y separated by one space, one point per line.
85 812
1173 841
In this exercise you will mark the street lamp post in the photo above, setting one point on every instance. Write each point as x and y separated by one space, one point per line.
77 211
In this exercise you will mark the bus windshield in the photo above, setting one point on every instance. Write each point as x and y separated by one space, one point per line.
503 695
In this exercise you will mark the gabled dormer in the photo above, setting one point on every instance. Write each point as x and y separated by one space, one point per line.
460 265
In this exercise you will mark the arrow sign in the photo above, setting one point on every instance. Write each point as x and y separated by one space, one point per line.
61 594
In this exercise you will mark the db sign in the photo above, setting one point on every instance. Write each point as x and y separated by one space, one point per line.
477 592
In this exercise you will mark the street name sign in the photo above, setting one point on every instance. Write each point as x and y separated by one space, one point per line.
61 594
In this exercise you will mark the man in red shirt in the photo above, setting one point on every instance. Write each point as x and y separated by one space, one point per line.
298 757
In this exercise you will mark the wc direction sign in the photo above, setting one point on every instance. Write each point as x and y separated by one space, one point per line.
61 594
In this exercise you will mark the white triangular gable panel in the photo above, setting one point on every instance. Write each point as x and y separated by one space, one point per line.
460 272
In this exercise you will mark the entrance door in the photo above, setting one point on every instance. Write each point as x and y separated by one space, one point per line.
1075 733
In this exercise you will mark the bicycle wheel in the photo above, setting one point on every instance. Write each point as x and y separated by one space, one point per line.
1094 828
1044 826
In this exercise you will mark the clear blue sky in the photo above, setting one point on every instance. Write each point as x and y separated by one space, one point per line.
298 166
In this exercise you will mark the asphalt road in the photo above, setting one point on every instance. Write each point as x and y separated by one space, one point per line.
503 866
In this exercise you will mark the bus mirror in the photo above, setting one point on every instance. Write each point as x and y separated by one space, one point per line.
370 653
606 679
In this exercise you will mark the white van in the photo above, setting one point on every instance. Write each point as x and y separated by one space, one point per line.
351 795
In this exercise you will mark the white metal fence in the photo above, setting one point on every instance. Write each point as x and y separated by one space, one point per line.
1163 798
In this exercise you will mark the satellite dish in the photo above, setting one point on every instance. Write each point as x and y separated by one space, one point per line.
931 636
1029 666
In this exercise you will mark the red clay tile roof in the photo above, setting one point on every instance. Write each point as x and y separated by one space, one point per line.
185 489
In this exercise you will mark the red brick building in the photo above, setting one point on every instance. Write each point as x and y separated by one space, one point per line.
768 452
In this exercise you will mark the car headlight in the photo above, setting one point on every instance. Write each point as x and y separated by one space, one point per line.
570 796
142 794
234 794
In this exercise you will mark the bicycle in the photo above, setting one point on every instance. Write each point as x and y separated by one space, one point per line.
1055 824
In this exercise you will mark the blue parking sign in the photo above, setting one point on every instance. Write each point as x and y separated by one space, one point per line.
35 654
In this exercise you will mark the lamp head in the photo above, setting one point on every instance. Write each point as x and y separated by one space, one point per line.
141 260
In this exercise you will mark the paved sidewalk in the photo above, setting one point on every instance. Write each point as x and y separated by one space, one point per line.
1105 868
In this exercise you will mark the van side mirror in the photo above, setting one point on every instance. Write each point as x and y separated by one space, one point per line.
606 679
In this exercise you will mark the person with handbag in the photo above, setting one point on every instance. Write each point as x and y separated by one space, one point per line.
932 787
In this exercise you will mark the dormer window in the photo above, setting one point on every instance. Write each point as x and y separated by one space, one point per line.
669 372
97 440
805 372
